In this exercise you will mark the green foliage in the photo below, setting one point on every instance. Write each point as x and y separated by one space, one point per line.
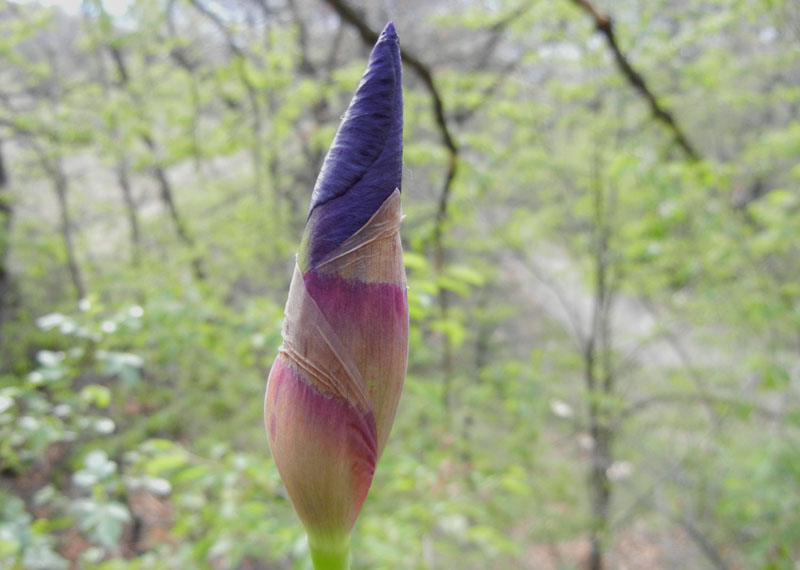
590 283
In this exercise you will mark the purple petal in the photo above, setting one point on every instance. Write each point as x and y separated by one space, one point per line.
364 164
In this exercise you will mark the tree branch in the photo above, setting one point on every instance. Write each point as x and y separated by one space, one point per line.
496 31
158 171
684 399
696 535
605 25
6 213
239 59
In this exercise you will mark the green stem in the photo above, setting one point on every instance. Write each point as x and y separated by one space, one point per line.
329 554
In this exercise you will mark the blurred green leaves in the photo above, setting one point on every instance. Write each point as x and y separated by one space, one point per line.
140 408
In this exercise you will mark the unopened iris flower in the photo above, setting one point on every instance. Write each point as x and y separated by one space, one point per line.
334 387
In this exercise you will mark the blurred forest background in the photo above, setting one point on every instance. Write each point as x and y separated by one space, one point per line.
603 252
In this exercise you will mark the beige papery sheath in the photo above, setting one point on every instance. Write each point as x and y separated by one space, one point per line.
334 388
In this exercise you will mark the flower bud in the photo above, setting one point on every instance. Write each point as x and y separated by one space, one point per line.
334 387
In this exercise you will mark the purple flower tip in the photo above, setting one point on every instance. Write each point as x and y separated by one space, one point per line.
388 32
364 164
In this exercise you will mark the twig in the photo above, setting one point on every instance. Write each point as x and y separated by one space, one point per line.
684 399
696 535
240 59
496 31
6 216
158 171
691 371
306 65
605 25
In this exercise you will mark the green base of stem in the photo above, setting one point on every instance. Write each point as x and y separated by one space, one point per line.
330 555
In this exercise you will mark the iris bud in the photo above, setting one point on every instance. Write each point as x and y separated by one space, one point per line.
334 387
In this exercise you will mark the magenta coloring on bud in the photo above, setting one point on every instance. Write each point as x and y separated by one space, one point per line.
335 438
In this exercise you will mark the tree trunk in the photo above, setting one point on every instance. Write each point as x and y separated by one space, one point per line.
61 187
6 213
160 174
123 177
239 60
599 377
599 492
122 168
165 190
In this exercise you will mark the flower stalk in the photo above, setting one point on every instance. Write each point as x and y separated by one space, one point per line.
327 555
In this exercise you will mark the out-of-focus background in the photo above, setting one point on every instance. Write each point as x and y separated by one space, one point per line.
603 250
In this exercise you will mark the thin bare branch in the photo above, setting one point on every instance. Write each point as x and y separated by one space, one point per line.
684 398
605 25
158 171
6 213
696 535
